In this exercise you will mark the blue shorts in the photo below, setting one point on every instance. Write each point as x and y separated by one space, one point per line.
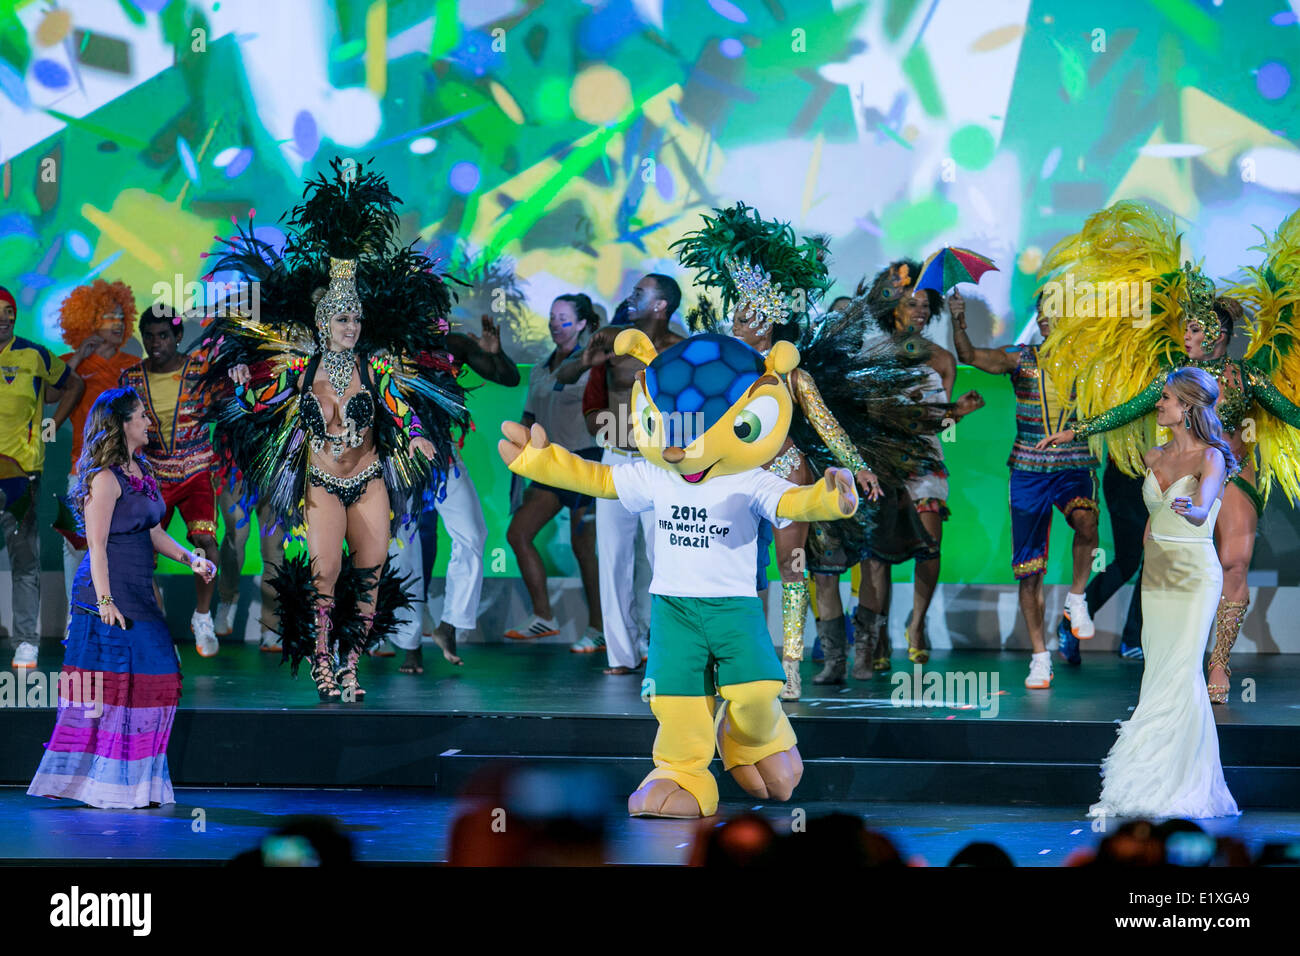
1033 496
571 499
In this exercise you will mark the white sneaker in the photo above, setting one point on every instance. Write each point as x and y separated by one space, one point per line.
1076 612
270 643
590 642
24 657
533 628
1040 671
205 635
225 619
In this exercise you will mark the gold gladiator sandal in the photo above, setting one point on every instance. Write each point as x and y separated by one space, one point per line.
917 655
1227 625
794 611
322 662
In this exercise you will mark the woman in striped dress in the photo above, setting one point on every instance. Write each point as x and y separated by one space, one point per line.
121 680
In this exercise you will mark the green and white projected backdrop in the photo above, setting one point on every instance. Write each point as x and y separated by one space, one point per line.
579 139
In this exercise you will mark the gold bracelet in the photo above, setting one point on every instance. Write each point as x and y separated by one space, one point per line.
105 601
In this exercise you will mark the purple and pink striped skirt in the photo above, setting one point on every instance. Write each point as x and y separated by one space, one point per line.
117 697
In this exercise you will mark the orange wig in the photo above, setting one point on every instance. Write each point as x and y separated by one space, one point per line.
83 310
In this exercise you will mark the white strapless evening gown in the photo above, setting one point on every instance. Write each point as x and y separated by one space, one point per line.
1166 760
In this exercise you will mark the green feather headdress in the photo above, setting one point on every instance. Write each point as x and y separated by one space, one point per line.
756 263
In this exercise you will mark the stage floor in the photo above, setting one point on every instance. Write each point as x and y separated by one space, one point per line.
402 826
243 722
540 679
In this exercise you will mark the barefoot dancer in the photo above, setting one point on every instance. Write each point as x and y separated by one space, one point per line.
456 502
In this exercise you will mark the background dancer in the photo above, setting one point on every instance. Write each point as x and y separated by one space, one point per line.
1061 477
456 501
32 379
557 407
751 261
903 311
171 385
606 407
96 320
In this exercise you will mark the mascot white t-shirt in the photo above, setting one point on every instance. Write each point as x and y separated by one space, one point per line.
706 533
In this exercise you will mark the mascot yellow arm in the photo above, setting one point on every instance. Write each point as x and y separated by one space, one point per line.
532 455
830 499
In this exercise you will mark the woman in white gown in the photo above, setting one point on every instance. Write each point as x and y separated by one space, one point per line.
1166 760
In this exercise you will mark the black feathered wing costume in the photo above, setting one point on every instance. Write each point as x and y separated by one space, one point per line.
340 237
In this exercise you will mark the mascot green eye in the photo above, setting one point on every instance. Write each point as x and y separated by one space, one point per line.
757 419
647 422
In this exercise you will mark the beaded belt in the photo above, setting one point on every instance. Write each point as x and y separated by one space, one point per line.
347 490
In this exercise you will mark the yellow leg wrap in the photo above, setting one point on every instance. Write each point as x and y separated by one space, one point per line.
684 746
753 725
794 611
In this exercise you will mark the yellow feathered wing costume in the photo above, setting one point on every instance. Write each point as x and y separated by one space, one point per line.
1112 292
1272 292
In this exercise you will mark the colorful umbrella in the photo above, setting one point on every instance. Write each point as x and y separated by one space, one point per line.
951 265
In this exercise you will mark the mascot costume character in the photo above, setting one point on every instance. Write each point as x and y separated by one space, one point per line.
707 415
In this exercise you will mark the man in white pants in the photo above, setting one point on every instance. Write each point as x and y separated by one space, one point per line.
616 529
650 307
412 557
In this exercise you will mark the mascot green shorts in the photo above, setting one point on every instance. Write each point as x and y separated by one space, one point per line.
690 636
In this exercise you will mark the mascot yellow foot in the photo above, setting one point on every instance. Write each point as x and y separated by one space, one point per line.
751 732
680 786
663 798
756 741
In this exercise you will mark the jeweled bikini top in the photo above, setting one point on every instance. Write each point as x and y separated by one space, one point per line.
358 416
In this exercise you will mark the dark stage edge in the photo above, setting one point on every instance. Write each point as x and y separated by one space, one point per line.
244 722
408 827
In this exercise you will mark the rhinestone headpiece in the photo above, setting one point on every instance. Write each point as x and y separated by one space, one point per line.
1197 302
340 297
754 289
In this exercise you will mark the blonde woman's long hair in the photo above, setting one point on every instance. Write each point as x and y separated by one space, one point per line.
104 444
1198 390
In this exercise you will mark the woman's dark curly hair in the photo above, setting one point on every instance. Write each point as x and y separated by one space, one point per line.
883 292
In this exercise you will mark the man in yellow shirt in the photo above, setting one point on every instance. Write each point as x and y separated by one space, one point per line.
30 377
